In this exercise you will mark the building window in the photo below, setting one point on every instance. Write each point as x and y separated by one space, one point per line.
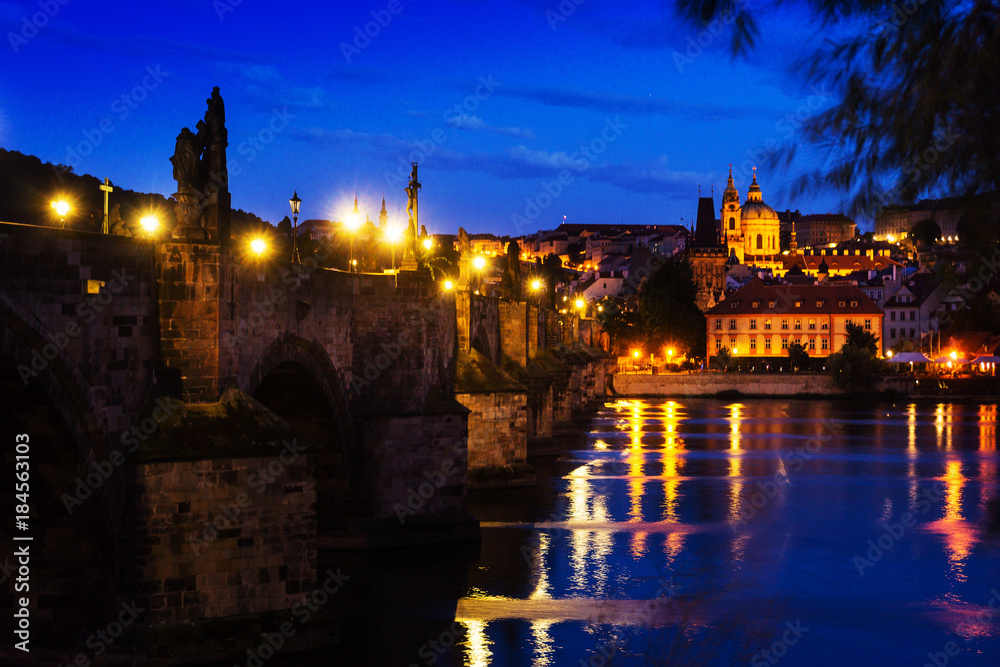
824 325
784 325
892 333
913 333
760 242
772 304
753 343
812 324
718 344
767 325
767 343
798 325
732 325
784 343
732 344
718 325
753 325
841 304
732 223
756 304
854 304
868 325
812 343
913 315
824 344
892 316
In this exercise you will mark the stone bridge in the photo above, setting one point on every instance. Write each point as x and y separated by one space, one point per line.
201 423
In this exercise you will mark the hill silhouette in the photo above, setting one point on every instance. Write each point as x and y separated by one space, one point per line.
28 186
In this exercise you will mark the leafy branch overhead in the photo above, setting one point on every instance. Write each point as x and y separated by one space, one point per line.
916 85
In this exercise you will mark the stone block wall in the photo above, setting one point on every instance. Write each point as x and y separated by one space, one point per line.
91 302
406 453
498 428
514 317
190 315
216 538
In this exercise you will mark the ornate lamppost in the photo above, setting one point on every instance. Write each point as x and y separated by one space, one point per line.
295 203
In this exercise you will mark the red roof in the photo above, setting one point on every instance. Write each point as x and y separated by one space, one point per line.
756 297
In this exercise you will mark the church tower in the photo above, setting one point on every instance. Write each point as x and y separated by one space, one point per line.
732 225
383 216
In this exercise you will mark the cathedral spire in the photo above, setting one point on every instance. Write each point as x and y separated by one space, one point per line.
383 216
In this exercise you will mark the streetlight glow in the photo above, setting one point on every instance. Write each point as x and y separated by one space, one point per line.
61 207
428 243
580 303
149 223
258 246
448 285
536 285
479 263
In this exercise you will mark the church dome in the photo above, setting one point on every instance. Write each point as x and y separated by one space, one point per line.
755 208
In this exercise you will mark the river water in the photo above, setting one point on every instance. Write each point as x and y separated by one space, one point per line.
704 532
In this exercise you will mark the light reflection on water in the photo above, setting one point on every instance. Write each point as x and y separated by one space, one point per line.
712 494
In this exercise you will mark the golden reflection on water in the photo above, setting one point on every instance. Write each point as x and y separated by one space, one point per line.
543 643
912 455
476 643
735 460
987 443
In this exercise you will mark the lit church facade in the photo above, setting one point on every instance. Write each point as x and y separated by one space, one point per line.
751 230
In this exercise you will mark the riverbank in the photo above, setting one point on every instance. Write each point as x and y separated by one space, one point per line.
727 385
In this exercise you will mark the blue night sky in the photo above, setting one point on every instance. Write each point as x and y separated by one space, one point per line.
301 117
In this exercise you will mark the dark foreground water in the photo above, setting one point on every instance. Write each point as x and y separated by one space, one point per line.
700 532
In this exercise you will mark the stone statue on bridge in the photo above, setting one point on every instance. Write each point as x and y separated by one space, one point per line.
203 202
510 284
410 241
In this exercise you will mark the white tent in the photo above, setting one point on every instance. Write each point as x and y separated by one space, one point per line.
908 358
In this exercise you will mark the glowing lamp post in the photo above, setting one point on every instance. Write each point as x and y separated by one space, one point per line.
295 203
352 224
61 208
150 224
258 247
428 244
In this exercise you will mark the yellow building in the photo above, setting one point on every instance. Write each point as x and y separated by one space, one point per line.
761 320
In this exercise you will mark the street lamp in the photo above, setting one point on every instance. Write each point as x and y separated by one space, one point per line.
295 203
352 223
448 285
150 224
580 304
428 243
258 246
393 235
62 208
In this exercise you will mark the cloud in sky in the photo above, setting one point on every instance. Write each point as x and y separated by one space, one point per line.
520 162
266 87
467 122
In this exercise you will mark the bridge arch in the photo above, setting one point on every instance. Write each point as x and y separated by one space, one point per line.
309 359
75 526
